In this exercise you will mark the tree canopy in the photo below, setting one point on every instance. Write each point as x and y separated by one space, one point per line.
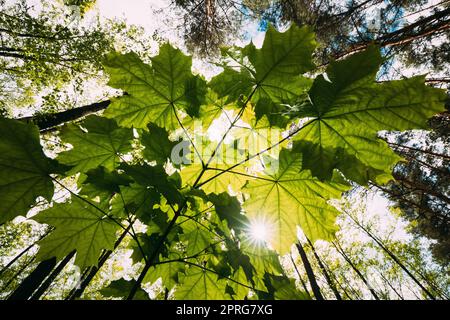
206 187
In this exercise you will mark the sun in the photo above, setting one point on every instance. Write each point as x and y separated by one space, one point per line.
259 231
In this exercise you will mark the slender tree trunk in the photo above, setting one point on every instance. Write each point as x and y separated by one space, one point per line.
89 274
431 283
390 285
344 290
351 288
360 275
80 282
32 282
25 265
166 294
16 258
10 54
401 146
438 22
390 193
324 272
417 186
309 272
394 257
48 121
46 284
300 277
336 280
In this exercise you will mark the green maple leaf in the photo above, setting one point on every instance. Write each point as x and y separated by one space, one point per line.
210 110
156 177
102 144
24 169
210 183
239 291
121 288
348 164
198 238
262 259
274 76
156 92
256 260
168 272
258 135
285 289
233 84
78 226
349 109
221 161
135 199
143 244
289 198
102 183
157 145
200 284
283 55
228 208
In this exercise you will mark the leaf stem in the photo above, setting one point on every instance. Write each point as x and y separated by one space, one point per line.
236 119
155 253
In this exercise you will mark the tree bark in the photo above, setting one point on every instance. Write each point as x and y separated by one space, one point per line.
309 272
390 285
360 275
22 268
46 284
49 121
16 258
90 274
393 257
324 272
32 282
300 277
404 35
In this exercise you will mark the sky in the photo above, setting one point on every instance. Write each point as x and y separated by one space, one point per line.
142 12
156 15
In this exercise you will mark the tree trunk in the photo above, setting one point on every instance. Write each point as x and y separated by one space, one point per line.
47 122
309 272
22 268
87 277
300 277
32 282
16 258
41 290
406 34
324 272
360 275
390 285
331 273
394 257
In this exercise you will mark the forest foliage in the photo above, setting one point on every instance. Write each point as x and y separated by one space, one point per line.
196 212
